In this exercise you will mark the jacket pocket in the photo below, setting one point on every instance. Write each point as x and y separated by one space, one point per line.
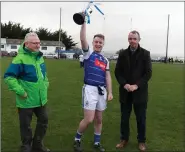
22 99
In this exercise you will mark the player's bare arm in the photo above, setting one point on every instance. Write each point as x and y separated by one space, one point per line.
109 85
83 38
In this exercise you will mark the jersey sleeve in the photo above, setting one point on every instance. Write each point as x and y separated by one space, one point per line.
87 53
107 67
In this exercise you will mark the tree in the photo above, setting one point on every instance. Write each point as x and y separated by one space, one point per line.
17 31
13 30
43 33
69 43
66 40
6 30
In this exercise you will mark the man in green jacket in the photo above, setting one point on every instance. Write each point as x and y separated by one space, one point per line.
26 76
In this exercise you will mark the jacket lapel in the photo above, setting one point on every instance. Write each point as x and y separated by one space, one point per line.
127 58
137 56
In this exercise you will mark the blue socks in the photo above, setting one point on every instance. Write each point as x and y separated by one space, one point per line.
97 138
78 136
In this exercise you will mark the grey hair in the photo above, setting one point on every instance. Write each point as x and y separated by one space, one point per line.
30 35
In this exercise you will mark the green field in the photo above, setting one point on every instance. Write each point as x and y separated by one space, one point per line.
165 114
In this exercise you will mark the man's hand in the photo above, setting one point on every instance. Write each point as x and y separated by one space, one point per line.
127 87
110 97
133 87
24 96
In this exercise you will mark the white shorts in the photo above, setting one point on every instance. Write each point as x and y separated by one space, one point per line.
91 100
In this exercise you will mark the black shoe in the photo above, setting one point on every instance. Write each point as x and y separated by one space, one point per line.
77 146
40 149
99 147
25 148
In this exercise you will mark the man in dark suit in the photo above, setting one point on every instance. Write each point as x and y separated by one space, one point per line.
133 71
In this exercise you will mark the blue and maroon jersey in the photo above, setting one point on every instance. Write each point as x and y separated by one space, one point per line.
95 66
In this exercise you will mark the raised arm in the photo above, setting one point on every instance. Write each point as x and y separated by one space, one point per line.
83 38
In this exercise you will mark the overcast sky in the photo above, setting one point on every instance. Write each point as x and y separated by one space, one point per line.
149 18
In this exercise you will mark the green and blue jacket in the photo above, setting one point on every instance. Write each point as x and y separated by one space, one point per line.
27 73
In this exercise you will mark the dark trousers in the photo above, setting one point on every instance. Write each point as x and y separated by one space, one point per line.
25 118
140 113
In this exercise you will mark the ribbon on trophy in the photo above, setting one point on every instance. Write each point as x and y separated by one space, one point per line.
88 10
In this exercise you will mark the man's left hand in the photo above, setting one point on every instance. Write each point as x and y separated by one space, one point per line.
133 87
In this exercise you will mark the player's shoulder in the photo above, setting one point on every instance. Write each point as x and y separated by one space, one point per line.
145 51
90 49
123 52
105 58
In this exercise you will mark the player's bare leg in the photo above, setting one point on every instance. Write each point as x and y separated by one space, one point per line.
88 118
97 130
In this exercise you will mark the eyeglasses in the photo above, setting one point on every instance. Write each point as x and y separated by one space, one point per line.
35 43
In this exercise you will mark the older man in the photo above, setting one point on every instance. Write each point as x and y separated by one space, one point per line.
26 76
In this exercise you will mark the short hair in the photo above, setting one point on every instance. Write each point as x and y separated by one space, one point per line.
100 36
135 32
29 35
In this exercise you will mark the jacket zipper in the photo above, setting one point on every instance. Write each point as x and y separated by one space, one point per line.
38 81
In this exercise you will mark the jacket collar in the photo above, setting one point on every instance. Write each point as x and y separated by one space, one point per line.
38 54
137 53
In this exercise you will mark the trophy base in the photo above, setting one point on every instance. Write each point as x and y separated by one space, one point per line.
79 18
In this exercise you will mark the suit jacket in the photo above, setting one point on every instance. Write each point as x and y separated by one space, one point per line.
138 71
